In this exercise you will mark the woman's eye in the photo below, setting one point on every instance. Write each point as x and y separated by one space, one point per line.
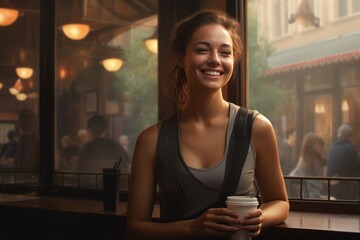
226 53
202 50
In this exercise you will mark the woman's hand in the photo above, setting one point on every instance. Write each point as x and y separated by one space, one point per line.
252 222
218 222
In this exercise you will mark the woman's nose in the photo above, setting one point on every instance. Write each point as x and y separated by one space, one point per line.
214 59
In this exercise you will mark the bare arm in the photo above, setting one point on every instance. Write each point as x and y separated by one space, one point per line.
275 207
141 201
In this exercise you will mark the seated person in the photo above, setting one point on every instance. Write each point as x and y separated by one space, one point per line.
100 152
28 155
8 151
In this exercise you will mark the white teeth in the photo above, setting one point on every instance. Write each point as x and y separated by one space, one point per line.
213 73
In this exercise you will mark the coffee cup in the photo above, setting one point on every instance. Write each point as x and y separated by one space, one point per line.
242 205
111 183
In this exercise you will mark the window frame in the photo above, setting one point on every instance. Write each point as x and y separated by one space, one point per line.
236 92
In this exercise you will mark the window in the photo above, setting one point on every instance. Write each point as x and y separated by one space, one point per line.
106 87
347 7
19 93
307 83
279 10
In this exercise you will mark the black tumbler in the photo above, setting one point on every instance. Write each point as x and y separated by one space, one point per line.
111 183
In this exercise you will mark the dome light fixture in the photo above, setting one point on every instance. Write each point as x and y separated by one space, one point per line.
24 72
76 31
21 96
112 64
13 91
152 42
8 16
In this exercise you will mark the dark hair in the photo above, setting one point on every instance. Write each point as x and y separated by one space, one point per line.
97 124
182 35
11 134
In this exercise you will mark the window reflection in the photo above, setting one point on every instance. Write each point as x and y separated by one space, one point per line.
109 75
306 78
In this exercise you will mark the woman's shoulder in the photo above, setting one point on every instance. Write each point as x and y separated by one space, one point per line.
262 125
149 134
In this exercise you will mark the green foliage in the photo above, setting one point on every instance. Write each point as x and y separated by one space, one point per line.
138 80
265 95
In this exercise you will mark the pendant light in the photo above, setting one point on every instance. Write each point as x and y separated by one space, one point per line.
21 96
8 14
75 28
112 64
76 31
152 42
24 72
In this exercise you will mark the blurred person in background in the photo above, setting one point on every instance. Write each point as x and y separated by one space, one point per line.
311 164
286 152
343 161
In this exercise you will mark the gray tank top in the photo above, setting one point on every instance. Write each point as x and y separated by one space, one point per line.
214 176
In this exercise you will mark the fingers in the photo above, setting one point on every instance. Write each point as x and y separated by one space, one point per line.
252 223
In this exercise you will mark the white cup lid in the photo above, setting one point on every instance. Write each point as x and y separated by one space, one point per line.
241 200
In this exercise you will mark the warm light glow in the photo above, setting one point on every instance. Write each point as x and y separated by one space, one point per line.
152 45
62 73
21 96
345 106
112 64
18 85
13 91
24 72
319 108
1 85
8 16
76 31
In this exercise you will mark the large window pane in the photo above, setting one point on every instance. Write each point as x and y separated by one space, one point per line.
101 109
307 82
19 88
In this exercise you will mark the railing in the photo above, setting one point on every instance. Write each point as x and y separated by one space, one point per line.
327 183
93 181
87 180
14 180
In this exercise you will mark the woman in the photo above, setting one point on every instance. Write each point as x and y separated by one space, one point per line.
205 48
311 163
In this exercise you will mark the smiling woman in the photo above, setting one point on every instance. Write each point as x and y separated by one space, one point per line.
187 154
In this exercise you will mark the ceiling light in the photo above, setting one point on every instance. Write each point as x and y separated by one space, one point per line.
24 72
76 31
21 96
152 42
8 16
13 91
112 64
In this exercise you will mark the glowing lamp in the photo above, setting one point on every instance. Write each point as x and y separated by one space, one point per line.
76 31
8 16
112 64
24 72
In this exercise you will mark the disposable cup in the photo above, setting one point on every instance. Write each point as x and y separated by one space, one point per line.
111 183
242 205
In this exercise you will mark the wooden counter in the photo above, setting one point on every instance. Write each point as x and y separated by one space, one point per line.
49 217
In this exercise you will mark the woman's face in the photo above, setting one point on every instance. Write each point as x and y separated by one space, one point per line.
209 60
